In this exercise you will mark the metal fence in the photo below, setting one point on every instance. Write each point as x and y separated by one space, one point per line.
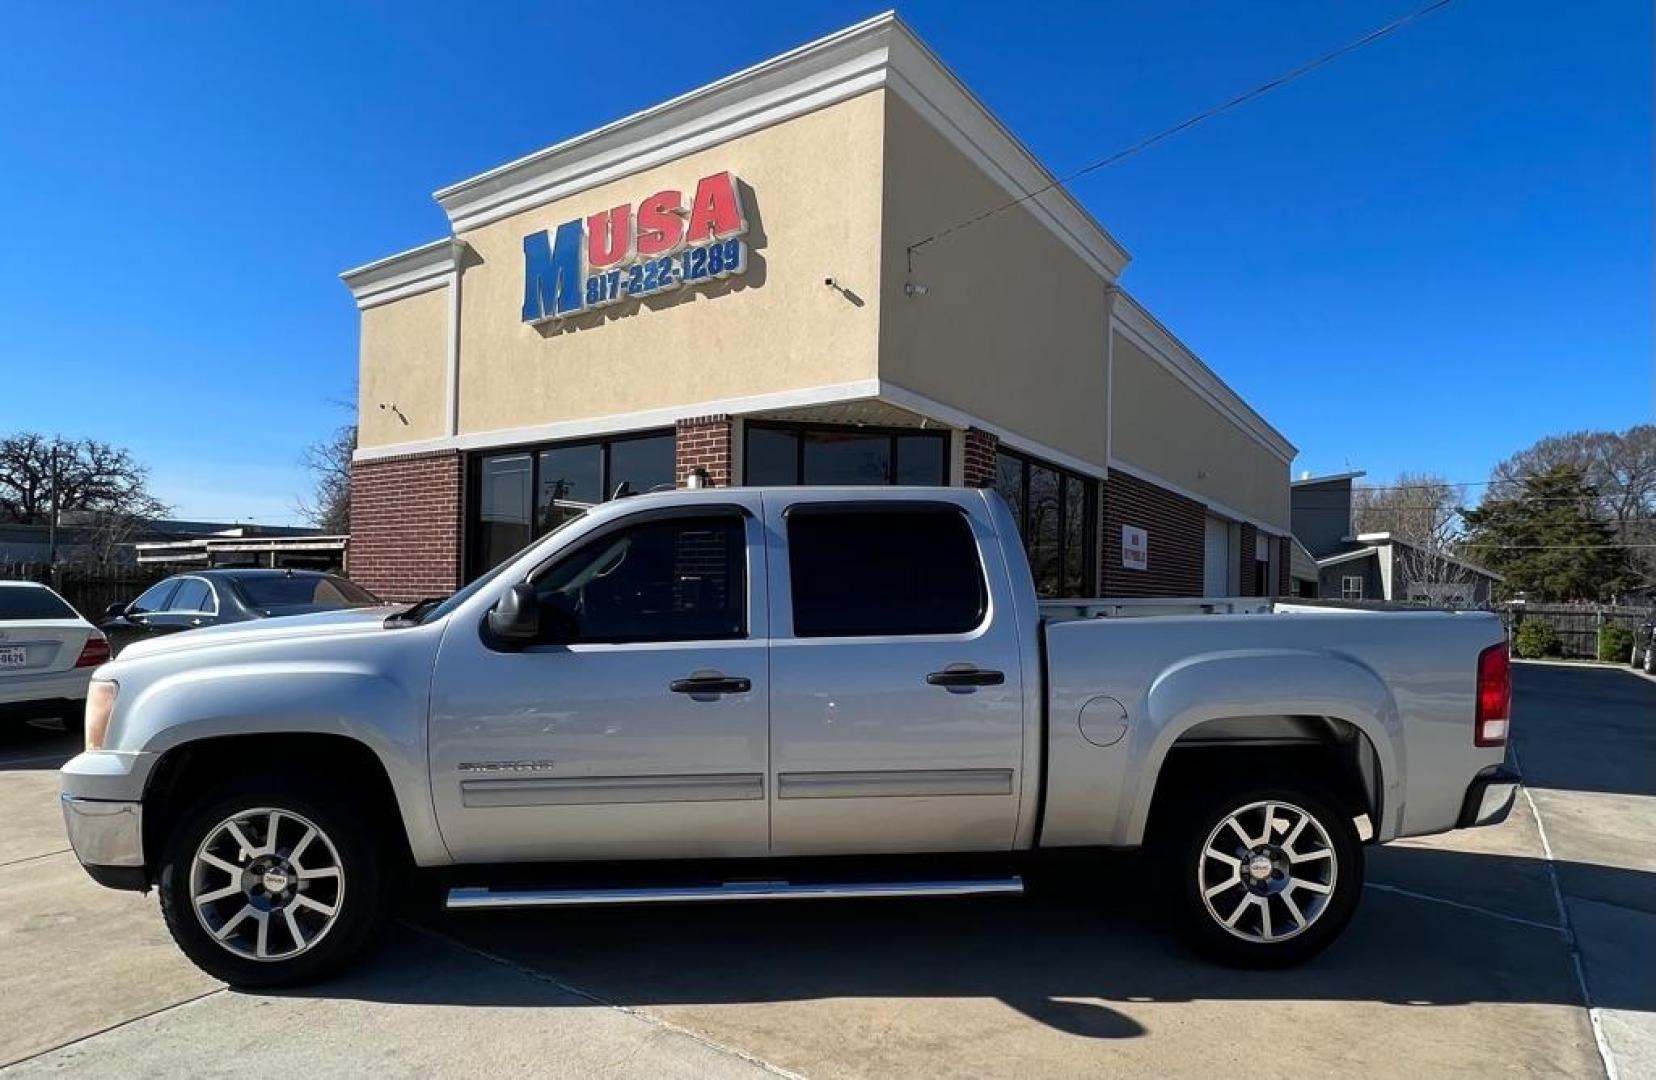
89 589
1577 625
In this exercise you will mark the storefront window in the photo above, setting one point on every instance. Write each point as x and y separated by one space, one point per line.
818 454
528 492
503 492
1057 515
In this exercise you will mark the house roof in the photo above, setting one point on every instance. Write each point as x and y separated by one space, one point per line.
1307 481
1379 538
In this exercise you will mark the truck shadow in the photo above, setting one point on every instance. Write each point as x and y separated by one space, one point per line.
1077 960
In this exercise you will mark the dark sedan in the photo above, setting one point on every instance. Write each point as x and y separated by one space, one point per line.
216 597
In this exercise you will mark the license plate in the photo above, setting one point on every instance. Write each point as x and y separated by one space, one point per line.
13 656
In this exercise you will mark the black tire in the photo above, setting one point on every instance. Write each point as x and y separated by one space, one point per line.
1191 873
359 897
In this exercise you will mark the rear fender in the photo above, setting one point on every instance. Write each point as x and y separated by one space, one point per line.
1262 682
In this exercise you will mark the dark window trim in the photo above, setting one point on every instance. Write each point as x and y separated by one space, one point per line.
1089 511
796 427
474 480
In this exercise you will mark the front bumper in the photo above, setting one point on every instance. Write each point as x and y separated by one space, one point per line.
108 838
1489 797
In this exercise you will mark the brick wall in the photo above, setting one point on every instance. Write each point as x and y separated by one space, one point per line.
703 442
1245 572
980 449
1285 576
406 514
1174 526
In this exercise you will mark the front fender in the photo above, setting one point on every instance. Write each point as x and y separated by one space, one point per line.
1262 682
312 697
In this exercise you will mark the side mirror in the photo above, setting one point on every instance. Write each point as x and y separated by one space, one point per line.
115 611
515 618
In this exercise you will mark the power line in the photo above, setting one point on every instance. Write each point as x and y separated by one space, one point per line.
1189 122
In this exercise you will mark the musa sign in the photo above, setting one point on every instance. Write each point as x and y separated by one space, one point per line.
634 251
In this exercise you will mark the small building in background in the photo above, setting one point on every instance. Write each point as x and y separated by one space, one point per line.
1377 565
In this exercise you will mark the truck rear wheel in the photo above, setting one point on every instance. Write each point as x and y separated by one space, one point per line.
266 884
1266 874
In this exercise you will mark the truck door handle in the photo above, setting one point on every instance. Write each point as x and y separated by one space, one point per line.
711 684
966 677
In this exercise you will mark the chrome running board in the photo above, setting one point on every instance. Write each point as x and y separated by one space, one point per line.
474 898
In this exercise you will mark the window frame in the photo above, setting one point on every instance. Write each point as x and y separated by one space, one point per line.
1345 586
742 515
824 509
474 483
1089 513
893 434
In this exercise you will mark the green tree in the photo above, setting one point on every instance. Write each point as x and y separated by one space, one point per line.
1550 538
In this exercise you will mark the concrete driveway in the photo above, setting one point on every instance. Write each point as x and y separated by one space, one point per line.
1473 952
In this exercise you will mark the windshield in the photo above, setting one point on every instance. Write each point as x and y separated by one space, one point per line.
24 602
318 593
471 590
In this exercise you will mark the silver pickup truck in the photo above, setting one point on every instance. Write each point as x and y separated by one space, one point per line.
764 694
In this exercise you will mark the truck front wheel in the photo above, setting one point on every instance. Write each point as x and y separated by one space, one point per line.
265 884
1266 874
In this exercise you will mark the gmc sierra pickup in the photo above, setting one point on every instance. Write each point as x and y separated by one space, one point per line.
773 693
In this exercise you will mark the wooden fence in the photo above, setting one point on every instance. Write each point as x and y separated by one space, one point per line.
1577 625
89 589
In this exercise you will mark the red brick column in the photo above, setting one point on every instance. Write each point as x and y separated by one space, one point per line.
1285 576
1174 525
406 515
703 442
980 447
1245 572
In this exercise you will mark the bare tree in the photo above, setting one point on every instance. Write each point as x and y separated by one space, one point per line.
52 481
1422 513
329 462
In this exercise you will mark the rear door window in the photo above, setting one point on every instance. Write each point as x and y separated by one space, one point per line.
859 571
191 596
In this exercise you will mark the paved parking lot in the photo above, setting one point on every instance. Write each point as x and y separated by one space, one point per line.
1471 953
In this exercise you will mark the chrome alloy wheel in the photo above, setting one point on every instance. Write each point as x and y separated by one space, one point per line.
267 884
1267 871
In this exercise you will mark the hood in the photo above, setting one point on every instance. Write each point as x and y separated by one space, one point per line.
319 624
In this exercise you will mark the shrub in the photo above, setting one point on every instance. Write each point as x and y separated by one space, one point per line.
1615 644
1536 640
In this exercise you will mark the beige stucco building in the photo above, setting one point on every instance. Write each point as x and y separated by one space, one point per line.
768 280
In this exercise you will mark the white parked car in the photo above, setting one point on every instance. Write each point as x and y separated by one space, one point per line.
47 654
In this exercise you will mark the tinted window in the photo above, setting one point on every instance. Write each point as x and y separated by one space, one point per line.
837 457
677 579
641 464
1057 518
503 500
818 454
898 571
191 596
569 475
920 460
30 603
154 598
310 593
772 456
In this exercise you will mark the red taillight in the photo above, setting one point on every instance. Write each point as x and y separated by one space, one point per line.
1494 697
94 652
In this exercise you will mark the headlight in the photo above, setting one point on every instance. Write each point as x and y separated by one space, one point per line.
100 703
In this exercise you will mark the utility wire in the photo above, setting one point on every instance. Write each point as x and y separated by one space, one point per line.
1190 122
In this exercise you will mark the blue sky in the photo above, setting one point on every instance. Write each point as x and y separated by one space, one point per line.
1422 257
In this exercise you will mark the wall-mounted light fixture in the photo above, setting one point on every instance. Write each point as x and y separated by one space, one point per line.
696 479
